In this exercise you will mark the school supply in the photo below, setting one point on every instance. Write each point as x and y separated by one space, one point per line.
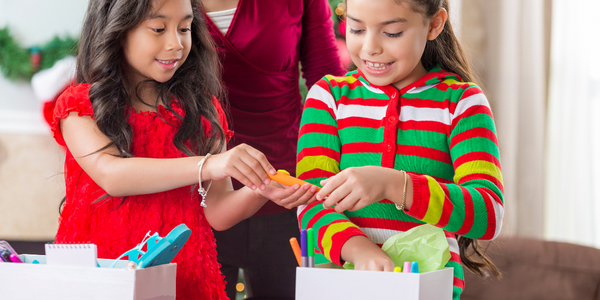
328 281
283 177
310 247
297 250
414 267
31 281
76 255
6 252
303 244
159 250
72 272
406 268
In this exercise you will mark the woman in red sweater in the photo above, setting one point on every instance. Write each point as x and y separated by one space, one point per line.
261 43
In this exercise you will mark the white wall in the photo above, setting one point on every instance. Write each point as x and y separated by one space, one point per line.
31 179
33 23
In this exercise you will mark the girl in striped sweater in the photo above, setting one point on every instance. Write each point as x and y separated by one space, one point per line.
403 141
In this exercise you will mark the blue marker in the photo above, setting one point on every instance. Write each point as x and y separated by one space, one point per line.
414 267
303 247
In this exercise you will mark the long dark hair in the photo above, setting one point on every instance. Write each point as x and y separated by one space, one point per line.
101 63
445 51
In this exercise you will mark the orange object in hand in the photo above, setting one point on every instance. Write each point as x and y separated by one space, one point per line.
284 177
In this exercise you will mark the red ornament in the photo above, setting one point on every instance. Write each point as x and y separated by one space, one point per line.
36 59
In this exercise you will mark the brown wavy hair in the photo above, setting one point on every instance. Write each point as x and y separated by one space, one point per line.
446 51
101 63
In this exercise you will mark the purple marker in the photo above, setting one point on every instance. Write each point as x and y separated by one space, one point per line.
406 268
303 247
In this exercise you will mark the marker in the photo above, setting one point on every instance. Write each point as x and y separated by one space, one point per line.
397 270
310 244
15 258
414 267
283 177
296 249
406 268
303 245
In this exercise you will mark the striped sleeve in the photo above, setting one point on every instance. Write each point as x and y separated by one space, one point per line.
318 158
472 206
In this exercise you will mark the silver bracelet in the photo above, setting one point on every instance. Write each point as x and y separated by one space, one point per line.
201 189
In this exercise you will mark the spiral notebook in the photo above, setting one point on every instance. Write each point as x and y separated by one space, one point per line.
79 255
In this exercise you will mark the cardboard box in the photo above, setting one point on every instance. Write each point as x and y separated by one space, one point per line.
40 281
328 281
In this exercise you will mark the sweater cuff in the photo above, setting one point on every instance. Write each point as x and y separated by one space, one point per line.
338 240
420 202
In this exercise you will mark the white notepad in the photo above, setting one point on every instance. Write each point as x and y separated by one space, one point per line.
79 255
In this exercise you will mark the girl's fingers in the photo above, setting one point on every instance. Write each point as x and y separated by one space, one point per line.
347 202
256 168
262 160
332 183
301 196
336 196
249 172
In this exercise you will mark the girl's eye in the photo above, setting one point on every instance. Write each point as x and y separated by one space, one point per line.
354 31
185 30
394 35
158 30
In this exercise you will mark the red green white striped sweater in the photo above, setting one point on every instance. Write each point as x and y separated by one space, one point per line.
439 129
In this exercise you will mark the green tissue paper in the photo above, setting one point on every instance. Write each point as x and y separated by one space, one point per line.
425 244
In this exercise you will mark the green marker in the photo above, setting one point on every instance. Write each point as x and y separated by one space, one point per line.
310 241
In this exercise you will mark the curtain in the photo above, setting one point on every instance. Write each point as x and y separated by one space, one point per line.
573 203
506 41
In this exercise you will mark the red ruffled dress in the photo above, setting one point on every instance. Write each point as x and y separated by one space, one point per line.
116 229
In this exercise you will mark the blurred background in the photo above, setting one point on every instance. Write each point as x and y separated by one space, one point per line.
537 61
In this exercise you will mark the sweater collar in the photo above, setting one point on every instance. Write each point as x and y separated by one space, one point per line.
433 76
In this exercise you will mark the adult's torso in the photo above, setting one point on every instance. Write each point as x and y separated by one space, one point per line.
260 55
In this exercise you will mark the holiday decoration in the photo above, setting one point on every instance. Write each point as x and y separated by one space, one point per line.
18 63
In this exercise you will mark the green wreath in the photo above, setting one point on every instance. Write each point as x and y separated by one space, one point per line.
17 63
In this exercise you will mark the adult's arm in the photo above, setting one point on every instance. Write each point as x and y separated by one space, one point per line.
318 52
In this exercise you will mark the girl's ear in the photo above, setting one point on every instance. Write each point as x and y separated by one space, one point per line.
436 24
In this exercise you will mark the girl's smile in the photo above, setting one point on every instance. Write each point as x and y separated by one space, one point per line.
170 64
386 40
158 46
376 68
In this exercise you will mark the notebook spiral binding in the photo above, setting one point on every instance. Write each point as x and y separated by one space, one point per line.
70 246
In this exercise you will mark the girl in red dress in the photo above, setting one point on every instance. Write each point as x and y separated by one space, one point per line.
141 118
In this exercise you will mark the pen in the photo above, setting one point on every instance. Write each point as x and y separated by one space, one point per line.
406 268
283 177
296 249
15 258
414 267
310 242
303 247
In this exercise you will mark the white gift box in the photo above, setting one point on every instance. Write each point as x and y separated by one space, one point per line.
40 281
328 281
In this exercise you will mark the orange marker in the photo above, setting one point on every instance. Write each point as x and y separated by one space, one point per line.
284 177
297 251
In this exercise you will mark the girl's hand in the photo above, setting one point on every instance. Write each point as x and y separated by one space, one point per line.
355 188
365 255
292 196
244 163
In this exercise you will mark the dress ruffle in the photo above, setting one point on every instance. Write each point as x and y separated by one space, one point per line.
116 225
